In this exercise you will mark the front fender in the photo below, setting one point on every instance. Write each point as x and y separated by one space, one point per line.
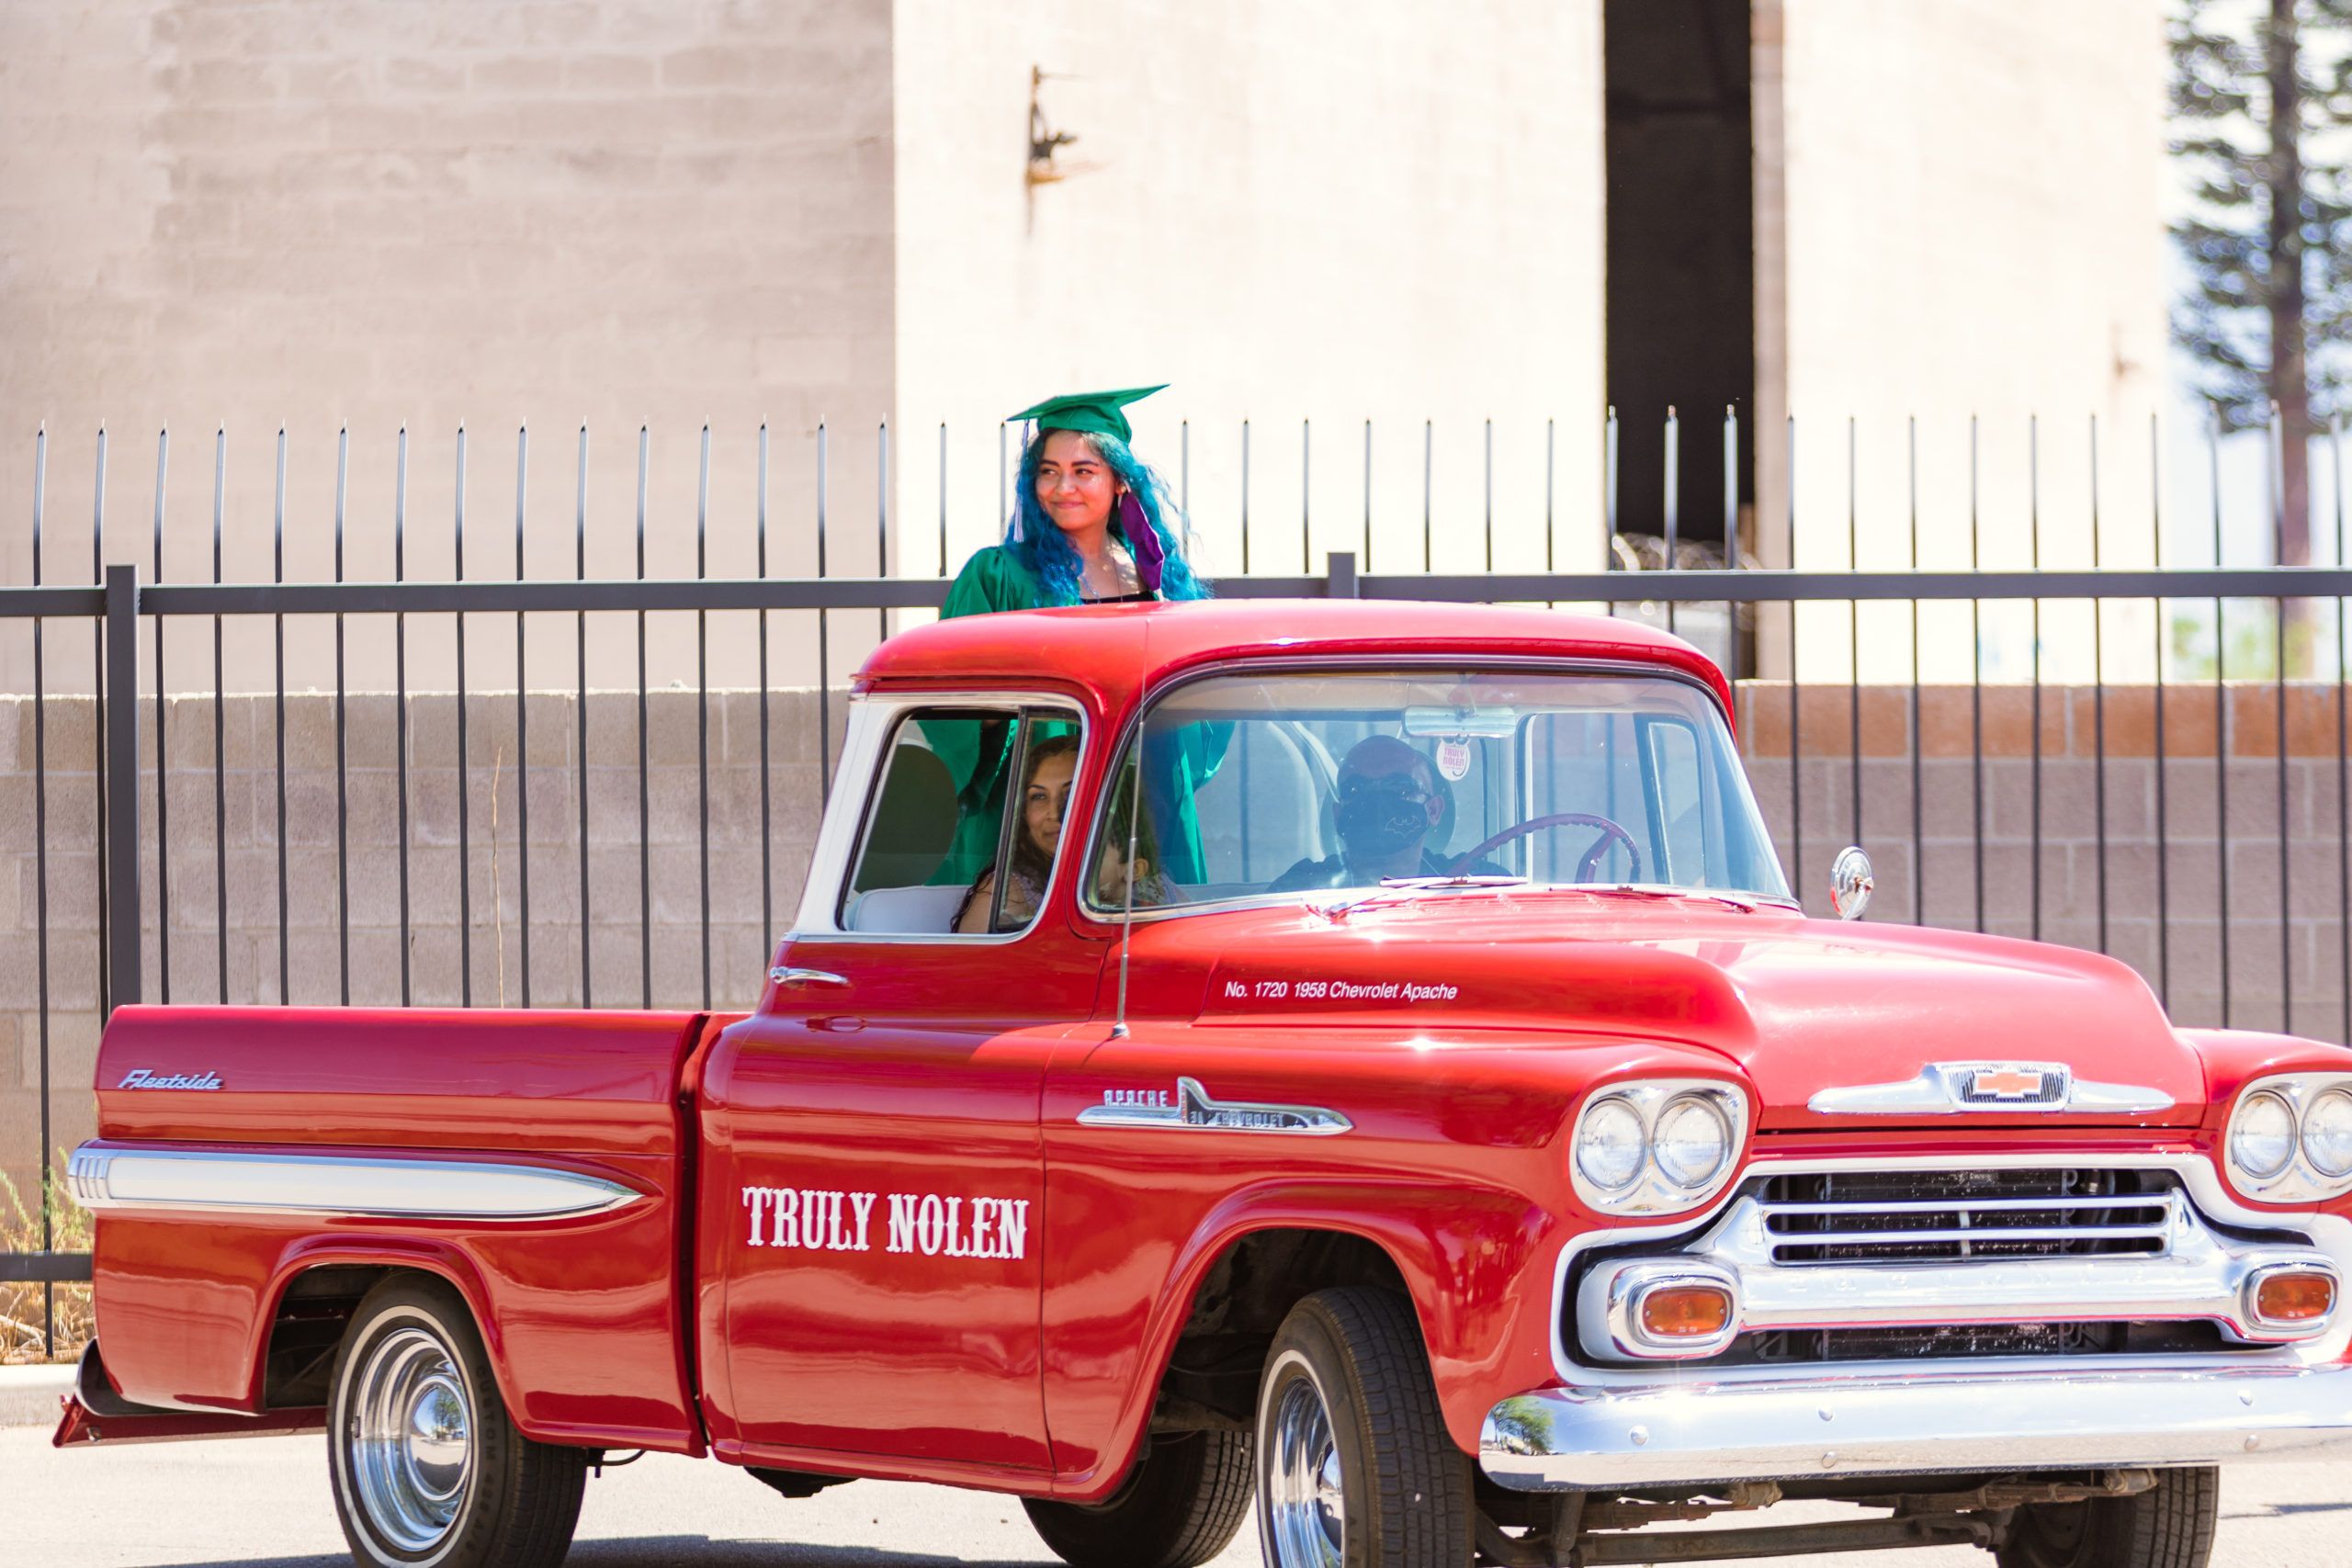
2233 1058
1476 1261
1454 1163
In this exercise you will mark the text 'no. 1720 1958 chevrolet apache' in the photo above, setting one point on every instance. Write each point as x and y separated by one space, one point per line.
1359 1057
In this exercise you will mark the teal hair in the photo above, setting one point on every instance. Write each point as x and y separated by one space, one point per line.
1053 561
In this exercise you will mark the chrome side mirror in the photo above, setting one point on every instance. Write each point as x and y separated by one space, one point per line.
1850 883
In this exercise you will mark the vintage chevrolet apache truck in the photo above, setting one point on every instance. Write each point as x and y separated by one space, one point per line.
1405 1096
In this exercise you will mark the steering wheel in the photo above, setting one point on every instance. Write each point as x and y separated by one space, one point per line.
1586 867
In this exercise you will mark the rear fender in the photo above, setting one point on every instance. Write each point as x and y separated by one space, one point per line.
422 1254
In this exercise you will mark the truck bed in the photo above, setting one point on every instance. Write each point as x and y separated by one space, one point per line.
257 1169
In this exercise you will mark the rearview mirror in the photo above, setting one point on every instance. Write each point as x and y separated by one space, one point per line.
1491 724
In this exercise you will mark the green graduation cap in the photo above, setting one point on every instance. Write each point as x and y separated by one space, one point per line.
1094 413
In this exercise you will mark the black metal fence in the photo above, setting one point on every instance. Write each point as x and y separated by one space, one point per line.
1752 612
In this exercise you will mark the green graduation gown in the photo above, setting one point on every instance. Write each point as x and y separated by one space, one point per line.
974 750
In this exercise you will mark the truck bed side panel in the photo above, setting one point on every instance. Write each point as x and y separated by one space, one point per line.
579 1312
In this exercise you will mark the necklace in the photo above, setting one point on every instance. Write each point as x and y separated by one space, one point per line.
1112 574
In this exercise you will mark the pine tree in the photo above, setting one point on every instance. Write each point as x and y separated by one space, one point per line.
2262 89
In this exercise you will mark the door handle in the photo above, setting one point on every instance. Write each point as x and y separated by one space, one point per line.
788 976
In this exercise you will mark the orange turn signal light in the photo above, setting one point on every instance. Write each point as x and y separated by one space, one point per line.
2294 1296
1686 1311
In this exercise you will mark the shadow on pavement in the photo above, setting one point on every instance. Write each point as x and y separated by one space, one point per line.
2283 1509
691 1552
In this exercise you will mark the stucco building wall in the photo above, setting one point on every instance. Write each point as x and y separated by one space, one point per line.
1293 212
626 213
1962 202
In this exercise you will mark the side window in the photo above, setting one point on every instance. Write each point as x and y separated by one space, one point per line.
952 844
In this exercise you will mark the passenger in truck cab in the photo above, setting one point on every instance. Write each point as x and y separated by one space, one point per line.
1126 871
1046 775
1388 803
1091 524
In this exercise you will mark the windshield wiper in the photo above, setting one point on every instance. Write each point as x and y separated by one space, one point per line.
1390 885
1746 906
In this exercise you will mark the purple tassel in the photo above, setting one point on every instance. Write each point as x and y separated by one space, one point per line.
1143 542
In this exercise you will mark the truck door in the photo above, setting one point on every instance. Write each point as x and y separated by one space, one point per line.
872 1168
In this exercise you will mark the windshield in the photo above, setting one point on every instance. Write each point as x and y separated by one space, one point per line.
1304 781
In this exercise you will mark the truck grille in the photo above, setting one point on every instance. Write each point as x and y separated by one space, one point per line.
1781 1345
1940 1216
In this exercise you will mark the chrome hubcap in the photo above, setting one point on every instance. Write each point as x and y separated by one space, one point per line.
409 1435
1305 1504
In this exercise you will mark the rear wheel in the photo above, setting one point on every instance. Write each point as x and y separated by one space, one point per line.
428 1468
1355 1468
2168 1526
1181 1506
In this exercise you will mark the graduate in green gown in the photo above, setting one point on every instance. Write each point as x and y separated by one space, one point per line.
1091 524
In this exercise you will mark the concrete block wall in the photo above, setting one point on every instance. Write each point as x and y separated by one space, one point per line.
2183 956
621 943
223 215
2167 837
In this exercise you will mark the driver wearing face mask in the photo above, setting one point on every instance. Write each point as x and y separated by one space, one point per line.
1389 800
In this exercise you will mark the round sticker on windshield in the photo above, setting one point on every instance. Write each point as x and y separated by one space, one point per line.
1453 757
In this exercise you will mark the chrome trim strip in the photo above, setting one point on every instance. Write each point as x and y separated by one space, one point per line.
116 1177
2004 1415
2329 1235
1194 1111
1941 1089
2202 1277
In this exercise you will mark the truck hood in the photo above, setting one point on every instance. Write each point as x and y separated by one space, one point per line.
1802 1005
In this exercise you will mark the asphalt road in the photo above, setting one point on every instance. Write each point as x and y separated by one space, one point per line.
262 1503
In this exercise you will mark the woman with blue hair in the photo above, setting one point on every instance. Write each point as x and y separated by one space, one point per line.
1091 524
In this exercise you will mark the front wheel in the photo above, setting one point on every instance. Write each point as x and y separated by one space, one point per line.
428 1468
1355 1469
2168 1526
1181 1506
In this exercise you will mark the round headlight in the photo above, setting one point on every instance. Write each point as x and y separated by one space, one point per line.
1610 1145
2262 1135
1692 1141
2328 1133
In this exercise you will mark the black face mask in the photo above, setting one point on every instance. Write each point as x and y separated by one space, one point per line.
1382 816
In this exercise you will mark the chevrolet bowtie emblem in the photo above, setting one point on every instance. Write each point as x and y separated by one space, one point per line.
1945 1088
2006 1083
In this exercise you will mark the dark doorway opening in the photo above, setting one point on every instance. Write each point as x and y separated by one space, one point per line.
1681 289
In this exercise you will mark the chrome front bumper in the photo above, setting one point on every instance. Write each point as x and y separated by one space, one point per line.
2006 1417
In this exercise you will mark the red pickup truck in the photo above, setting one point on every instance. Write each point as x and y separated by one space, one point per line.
1360 1061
